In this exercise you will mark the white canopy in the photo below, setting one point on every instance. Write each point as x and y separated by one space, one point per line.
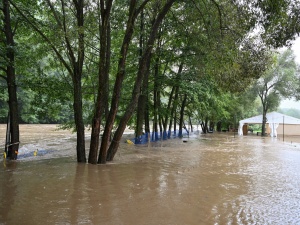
273 119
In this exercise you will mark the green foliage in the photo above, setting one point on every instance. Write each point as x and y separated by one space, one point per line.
277 20
255 127
3 102
211 39
280 80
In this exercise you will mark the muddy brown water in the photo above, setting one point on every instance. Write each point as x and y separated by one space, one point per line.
210 179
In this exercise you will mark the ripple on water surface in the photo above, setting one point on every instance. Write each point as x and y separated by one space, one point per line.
210 179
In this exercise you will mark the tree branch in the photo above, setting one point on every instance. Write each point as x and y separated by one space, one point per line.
43 36
54 13
141 7
71 54
220 15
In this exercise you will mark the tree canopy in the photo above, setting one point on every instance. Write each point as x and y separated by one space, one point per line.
279 81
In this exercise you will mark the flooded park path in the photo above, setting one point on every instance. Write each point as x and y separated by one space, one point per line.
208 179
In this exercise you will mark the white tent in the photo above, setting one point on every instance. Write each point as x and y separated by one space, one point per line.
273 119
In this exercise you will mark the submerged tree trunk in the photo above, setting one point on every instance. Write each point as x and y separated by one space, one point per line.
103 77
204 125
77 106
156 99
77 75
219 126
11 83
145 88
133 13
211 126
141 108
140 115
146 97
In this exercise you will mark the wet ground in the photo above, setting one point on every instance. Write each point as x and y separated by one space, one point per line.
210 179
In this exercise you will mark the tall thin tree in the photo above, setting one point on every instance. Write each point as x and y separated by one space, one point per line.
10 71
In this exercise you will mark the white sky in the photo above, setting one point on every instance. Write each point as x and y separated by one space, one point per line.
292 103
296 49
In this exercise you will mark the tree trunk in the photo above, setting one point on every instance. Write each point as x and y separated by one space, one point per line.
11 83
204 125
264 121
174 117
118 83
146 102
191 125
175 101
155 101
103 78
182 115
77 106
140 114
263 98
78 65
160 127
211 126
165 124
175 123
219 126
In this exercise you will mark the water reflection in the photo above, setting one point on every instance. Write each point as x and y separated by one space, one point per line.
8 191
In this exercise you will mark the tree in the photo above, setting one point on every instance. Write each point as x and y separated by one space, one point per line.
70 52
280 80
9 69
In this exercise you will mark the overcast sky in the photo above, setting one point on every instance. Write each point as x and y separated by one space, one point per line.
296 49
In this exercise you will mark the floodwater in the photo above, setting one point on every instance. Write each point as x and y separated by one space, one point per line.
208 179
